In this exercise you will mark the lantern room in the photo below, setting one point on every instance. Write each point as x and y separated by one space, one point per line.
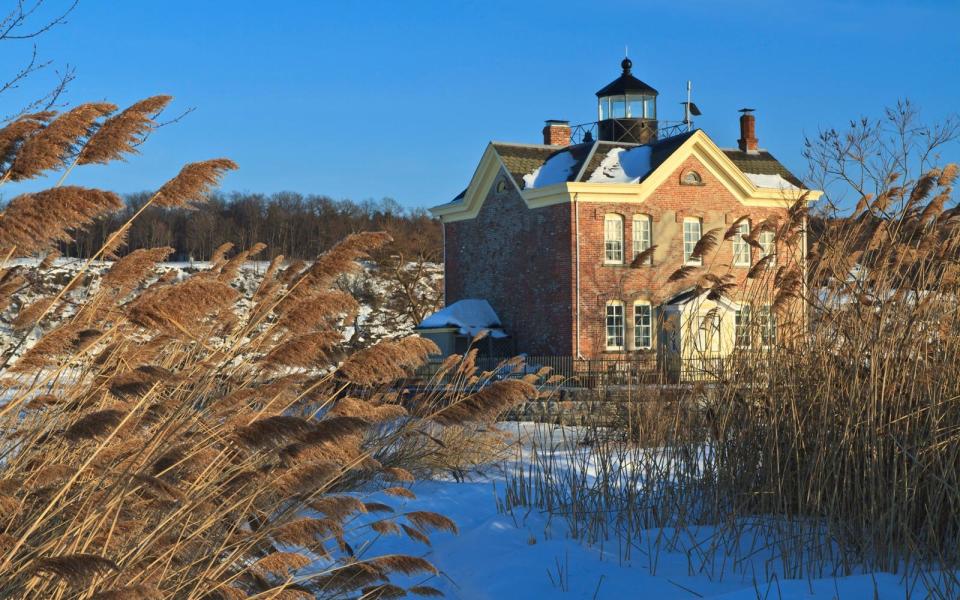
627 109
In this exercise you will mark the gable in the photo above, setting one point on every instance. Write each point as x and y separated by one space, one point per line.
520 159
664 158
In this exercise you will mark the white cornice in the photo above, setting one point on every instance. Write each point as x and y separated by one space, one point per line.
698 145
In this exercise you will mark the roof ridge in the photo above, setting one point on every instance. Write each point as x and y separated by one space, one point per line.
757 151
586 161
521 145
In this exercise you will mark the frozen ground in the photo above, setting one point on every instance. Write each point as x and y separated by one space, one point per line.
527 555
379 316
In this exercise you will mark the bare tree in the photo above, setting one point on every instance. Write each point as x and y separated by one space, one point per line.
867 158
414 291
291 224
25 22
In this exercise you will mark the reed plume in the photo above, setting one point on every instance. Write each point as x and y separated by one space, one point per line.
644 257
123 132
129 271
51 147
76 569
33 222
707 243
387 361
13 135
342 257
166 435
682 273
193 183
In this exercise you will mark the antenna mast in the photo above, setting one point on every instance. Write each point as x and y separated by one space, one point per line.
686 107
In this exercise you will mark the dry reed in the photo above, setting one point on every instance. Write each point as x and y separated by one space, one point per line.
158 441
834 450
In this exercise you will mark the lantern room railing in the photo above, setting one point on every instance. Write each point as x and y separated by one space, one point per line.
579 133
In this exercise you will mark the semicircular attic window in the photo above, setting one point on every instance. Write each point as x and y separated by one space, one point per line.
691 178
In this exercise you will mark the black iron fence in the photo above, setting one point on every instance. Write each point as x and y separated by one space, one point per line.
586 132
568 371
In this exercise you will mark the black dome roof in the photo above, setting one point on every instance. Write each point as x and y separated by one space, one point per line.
626 84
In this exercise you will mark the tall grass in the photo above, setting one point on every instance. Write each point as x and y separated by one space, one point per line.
835 450
167 436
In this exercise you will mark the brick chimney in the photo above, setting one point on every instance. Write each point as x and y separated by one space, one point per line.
748 141
556 133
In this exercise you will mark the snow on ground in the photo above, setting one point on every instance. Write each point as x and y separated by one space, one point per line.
528 555
378 318
499 556
770 181
623 166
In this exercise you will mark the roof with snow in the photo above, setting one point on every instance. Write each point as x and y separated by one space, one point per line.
536 166
558 170
469 317
761 163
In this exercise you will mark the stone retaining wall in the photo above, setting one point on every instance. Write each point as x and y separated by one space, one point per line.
577 406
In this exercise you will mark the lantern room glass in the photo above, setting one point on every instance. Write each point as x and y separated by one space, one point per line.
630 106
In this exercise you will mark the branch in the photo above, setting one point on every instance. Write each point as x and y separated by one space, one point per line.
18 18
157 126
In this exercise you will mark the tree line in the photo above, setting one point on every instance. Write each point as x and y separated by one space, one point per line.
295 225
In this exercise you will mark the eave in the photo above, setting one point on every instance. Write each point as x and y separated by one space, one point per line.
699 145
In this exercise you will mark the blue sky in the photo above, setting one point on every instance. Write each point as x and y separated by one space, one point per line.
373 99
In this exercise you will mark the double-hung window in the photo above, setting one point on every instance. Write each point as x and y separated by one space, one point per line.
768 246
614 325
692 230
741 249
741 327
642 326
767 323
613 239
641 236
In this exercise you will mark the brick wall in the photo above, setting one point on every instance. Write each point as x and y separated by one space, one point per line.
520 261
523 261
667 207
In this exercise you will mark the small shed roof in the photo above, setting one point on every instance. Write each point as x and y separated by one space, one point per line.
469 317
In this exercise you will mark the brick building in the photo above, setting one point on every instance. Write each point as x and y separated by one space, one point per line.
573 242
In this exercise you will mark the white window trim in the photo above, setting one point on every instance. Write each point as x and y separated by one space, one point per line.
686 257
647 305
606 328
638 245
609 218
740 245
